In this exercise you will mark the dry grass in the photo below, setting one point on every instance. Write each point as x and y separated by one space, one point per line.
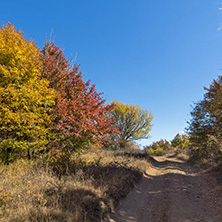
183 156
87 188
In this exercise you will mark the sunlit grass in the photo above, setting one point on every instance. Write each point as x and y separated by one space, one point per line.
87 190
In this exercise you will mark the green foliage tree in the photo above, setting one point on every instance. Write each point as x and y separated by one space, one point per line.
158 148
205 127
133 122
180 141
164 144
25 97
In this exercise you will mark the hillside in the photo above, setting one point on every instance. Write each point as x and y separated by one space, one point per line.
86 188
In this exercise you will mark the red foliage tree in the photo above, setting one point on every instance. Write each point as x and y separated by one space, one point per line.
81 112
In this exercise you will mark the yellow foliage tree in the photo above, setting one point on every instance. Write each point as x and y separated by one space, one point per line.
132 121
180 141
25 98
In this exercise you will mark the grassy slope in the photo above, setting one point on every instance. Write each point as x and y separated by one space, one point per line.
86 189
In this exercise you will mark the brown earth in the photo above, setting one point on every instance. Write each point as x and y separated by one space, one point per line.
173 191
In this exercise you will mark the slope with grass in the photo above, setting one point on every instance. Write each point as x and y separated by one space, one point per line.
86 188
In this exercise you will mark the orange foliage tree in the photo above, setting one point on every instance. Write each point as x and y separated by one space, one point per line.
81 112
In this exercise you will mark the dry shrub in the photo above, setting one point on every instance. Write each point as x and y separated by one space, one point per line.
85 188
182 154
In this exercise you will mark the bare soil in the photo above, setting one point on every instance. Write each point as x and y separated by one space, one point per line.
173 191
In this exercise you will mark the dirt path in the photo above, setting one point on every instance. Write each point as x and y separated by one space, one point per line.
172 191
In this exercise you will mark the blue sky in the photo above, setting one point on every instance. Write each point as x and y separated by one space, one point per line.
155 54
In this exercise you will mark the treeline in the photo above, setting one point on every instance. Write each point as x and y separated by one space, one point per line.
205 127
203 136
44 103
46 107
179 142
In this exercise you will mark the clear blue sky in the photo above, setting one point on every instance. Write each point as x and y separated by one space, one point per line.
155 54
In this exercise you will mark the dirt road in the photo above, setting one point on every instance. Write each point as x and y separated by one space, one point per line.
173 191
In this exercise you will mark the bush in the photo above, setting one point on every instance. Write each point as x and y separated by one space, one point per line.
156 152
158 148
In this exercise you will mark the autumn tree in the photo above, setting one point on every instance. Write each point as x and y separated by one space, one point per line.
180 141
163 144
81 112
205 127
25 97
158 148
132 121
